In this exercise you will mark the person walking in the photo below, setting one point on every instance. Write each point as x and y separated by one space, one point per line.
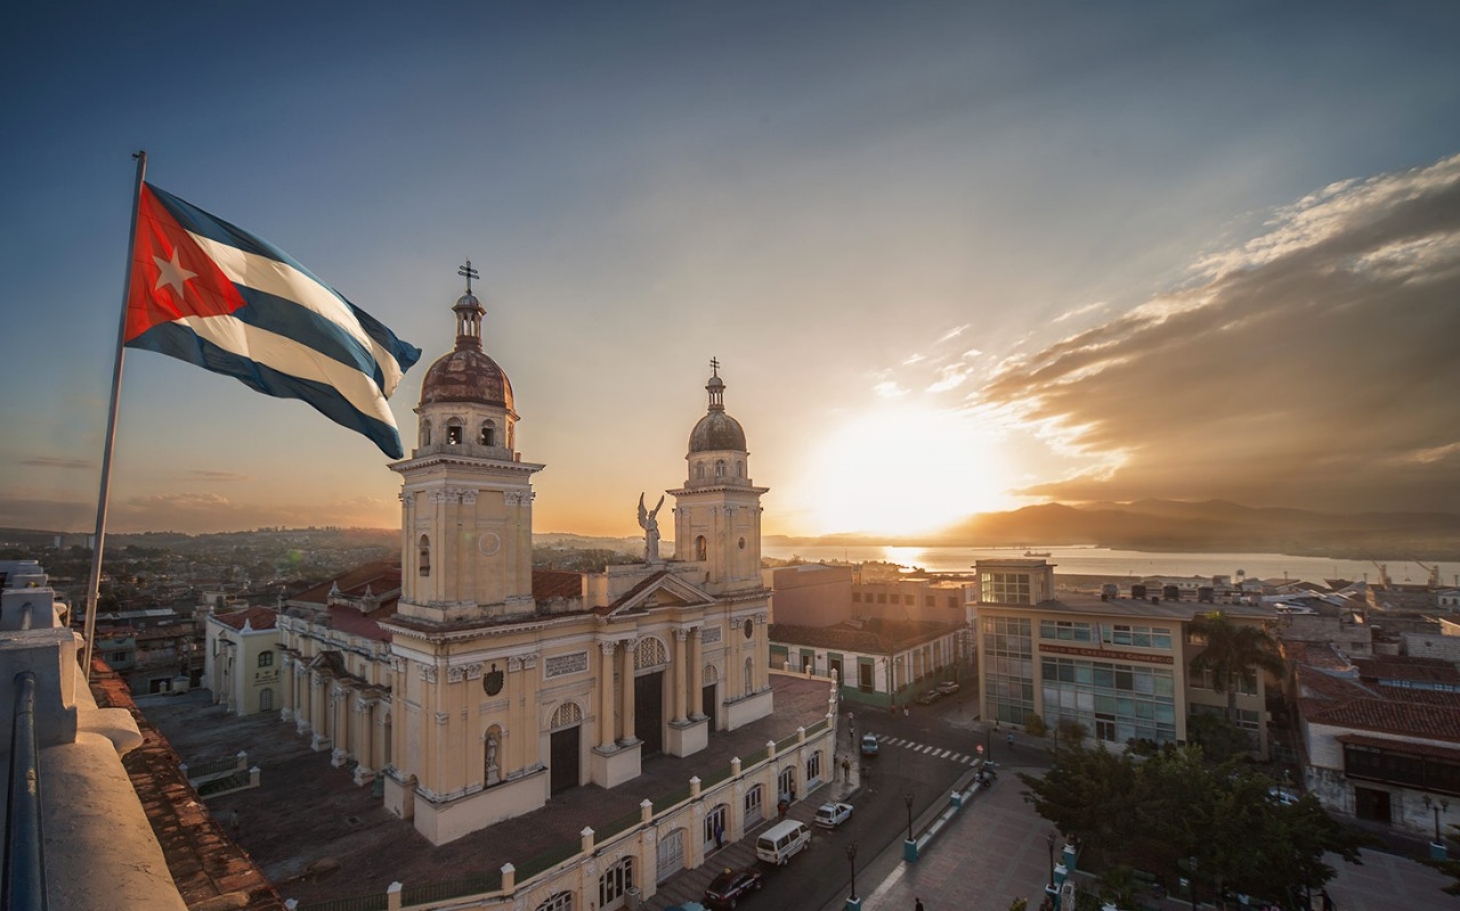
917 904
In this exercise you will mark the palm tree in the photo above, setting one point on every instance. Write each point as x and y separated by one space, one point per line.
1233 649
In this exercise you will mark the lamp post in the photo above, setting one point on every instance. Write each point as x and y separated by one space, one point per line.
908 799
909 847
1191 880
1437 846
852 860
1049 840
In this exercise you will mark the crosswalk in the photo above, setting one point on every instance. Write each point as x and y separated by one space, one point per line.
926 749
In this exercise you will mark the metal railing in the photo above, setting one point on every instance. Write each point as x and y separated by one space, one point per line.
25 868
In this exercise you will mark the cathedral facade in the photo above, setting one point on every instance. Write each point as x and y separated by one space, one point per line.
507 685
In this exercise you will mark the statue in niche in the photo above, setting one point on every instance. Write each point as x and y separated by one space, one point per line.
650 524
494 774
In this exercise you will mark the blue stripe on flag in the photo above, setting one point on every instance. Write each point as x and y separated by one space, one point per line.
311 330
177 340
198 222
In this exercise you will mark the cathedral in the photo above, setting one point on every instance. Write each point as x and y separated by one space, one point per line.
494 686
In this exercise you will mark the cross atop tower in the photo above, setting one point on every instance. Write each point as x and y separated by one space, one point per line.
469 274
715 366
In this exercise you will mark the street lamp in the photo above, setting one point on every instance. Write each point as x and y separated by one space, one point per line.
1191 880
852 859
1049 840
908 799
1437 806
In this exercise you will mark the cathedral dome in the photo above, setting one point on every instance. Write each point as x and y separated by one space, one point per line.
467 374
717 430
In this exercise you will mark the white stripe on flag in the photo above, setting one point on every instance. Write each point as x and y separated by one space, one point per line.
290 357
283 280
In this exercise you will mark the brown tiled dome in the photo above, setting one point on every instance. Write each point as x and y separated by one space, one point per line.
717 430
467 375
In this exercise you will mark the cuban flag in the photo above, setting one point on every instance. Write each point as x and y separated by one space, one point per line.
206 292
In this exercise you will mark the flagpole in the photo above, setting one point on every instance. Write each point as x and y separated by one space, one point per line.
93 590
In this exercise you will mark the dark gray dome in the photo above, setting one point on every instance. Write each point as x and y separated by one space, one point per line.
715 431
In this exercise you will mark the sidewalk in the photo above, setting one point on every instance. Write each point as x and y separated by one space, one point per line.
996 850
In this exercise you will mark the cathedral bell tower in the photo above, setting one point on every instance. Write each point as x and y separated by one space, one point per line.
717 516
466 495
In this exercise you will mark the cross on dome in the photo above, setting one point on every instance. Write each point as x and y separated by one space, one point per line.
469 273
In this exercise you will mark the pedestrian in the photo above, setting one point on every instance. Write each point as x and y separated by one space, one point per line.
917 904
904 711
719 834
1011 739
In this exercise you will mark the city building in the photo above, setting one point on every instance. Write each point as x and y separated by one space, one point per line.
1117 666
883 653
1380 736
83 773
156 650
241 660
478 688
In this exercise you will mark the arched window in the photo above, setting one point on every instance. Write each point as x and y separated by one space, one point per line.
562 901
266 699
719 468
425 433
700 472
488 435
425 556
615 882
567 714
739 469
701 548
749 676
266 659
453 432
813 768
754 804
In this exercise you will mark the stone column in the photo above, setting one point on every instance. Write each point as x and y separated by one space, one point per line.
679 693
763 654
362 740
303 719
626 689
605 696
286 677
318 720
696 672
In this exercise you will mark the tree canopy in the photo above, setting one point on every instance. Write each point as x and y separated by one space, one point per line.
1232 650
1160 813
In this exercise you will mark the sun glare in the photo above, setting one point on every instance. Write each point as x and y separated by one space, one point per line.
905 470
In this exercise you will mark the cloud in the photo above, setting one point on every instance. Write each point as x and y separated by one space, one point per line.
1078 311
53 462
1312 366
205 475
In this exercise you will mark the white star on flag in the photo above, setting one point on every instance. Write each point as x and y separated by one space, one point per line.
172 273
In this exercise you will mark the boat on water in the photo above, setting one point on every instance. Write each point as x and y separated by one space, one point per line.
1032 553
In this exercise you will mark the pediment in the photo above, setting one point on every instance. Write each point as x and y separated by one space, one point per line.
659 591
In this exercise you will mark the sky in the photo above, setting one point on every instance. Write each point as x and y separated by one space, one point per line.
953 257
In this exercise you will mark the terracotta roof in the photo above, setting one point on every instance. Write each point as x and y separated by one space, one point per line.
1420 670
1401 746
1317 683
381 577
1315 654
204 862
1412 719
256 617
552 583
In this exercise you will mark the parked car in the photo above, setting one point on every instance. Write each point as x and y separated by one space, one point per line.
831 815
726 890
930 697
869 744
948 688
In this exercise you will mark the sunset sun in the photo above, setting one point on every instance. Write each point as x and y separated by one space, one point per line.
906 470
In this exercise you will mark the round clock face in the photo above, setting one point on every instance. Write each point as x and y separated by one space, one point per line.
749 628
488 543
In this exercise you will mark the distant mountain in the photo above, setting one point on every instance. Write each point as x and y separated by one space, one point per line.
1213 525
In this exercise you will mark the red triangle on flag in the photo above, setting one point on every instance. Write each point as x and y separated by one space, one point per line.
172 277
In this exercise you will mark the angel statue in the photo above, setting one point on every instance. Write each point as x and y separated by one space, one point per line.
650 524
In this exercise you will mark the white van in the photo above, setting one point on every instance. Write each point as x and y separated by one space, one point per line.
782 841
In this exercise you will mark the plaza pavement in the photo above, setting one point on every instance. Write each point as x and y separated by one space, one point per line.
996 850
